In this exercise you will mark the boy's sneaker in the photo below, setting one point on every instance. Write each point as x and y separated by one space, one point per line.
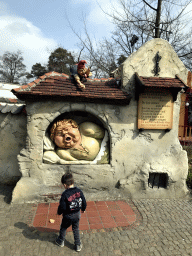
78 248
59 243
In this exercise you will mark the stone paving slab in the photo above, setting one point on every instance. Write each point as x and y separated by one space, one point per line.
99 215
165 229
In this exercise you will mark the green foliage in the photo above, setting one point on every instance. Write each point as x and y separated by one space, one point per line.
12 67
121 59
189 176
60 61
112 67
37 70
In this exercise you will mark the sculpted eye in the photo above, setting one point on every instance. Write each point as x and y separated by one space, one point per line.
59 134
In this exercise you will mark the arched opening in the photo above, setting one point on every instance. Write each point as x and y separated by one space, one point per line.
94 147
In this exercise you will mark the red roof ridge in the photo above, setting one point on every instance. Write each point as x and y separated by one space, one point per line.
54 73
50 74
40 79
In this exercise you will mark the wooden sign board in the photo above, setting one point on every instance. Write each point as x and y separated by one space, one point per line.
155 109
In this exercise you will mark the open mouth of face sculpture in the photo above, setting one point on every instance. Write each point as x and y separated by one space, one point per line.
67 137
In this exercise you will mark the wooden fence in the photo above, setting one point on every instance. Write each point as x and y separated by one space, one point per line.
185 134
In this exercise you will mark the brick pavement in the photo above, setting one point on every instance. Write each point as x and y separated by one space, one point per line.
99 215
165 229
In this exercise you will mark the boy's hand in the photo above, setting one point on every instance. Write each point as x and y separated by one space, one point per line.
82 211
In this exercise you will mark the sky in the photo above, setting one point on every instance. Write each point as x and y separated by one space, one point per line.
38 27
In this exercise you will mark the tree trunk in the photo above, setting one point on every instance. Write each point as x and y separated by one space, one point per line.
157 23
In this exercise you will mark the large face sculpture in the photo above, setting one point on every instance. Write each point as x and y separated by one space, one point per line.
76 143
65 134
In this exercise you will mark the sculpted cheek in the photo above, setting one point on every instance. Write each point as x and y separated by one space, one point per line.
59 141
75 134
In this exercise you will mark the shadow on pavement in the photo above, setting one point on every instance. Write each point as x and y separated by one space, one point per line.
33 233
6 191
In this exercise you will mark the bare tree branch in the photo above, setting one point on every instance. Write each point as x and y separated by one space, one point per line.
150 5
80 53
169 21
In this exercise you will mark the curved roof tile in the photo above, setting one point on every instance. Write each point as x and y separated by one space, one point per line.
11 108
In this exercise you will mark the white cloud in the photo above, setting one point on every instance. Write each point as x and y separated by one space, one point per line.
97 14
20 34
101 22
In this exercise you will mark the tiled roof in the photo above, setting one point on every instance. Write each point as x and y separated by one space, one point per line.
160 82
56 86
11 108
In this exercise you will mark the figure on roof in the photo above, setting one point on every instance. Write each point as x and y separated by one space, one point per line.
79 72
73 142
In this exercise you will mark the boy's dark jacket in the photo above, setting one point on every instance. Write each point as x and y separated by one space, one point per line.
72 200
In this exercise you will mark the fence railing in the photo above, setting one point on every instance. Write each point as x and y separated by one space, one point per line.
185 133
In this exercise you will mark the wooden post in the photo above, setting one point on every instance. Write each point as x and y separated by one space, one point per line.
185 133
182 115
190 133
189 77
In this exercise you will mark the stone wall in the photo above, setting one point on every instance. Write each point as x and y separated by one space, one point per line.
12 139
154 151
134 155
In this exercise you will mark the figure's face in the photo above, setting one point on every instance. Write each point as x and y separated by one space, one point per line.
82 72
67 136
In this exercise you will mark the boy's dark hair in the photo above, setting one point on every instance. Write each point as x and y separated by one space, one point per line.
67 179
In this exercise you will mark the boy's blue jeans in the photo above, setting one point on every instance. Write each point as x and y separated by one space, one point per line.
67 221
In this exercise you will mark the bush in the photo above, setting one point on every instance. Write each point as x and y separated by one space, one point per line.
189 176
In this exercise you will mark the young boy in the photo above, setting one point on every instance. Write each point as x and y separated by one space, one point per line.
72 200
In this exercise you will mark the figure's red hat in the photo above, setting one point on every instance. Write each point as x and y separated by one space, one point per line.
81 64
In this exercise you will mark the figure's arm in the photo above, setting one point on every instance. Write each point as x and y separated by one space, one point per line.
65 155
51 157
77 79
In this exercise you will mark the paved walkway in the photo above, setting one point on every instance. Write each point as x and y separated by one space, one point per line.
165 228
99 215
